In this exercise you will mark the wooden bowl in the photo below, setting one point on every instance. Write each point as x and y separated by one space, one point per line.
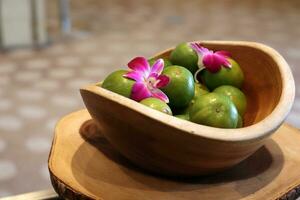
167 145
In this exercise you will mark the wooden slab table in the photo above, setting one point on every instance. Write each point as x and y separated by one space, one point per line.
83 165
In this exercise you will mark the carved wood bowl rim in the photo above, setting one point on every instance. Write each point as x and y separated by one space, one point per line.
254 132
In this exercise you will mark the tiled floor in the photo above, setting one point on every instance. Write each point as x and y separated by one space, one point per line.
39 87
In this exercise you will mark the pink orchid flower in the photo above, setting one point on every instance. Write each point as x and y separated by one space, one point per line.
148 79
212 61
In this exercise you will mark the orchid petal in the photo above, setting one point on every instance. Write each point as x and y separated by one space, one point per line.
140 91
153 75
212 63
163 81
200 49
140 64
226 63
223 53
158 66
195 47
135 75
157 93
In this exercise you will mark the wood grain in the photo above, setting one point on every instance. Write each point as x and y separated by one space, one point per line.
170 146
83 165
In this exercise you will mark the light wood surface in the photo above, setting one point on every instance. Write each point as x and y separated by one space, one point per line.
84 165
170 146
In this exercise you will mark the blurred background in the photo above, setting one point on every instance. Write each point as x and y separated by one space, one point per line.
51 48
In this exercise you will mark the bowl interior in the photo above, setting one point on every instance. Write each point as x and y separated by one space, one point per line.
263 80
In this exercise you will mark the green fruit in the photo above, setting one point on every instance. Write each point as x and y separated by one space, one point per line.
99 83
215 110
200 89
185 56
225 76
240 122
151 61
184 117
180 89
115 82
167 62
157 104
236 96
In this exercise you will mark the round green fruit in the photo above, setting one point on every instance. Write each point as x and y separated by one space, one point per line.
157 104
180 89
236 96
167 62
185 56
115 82
225 76
240 122
214 110
200 89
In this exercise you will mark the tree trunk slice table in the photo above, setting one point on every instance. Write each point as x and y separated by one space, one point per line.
83 165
